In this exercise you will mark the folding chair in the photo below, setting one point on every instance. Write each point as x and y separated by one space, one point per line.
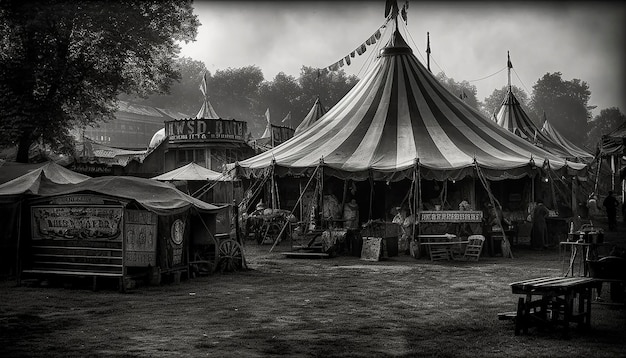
474 247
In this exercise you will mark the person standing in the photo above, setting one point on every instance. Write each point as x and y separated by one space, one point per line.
610 203
539 231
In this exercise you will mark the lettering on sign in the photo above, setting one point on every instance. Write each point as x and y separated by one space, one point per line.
451 216
77 199
205 129
140 259
89 168
372 249
177 257
140 217
77 222
140 238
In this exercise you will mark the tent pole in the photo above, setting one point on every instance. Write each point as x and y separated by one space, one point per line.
416 203
371 180
294 208
19 236
300 204
321 196
272 193
506 245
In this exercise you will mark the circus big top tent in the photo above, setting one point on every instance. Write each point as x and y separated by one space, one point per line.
398 119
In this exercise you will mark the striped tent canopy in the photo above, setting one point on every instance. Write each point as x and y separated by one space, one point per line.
578 153
398 121
512 117
316 112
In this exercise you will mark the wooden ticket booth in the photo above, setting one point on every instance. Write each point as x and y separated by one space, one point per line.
81 235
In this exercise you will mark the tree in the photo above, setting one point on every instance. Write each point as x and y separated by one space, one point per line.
63 63
184 95
464 90
329 86
280 95
607 121
565 103
235 94
492 104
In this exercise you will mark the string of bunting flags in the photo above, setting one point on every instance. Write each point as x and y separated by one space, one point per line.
347 60
391 12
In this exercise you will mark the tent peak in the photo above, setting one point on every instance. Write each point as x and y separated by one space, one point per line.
396 46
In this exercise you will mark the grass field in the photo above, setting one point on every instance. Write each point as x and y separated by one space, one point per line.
284 307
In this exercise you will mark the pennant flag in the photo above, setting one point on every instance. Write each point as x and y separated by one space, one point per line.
268 128
377 34
203 88
347 59
404 15
428 43
361 49
287 118
391 8
352 54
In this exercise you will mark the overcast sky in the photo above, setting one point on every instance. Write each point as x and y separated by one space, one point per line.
469 40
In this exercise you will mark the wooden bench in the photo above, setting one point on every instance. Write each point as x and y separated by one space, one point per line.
555 305
74 258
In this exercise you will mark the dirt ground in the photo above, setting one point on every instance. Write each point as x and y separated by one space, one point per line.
284 307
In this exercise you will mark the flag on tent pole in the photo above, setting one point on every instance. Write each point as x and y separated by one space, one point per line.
203 85
268 127
508 62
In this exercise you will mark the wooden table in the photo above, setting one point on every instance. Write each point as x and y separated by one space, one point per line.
442 250
556 302
580 253
439 246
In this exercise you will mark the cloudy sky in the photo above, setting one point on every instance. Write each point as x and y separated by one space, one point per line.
469 40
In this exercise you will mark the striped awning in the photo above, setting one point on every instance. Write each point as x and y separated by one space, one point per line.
556 137
398 120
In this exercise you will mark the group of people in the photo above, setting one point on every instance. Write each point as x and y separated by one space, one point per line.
539 214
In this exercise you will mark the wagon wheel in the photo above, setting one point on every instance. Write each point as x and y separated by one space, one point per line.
230 255
205 259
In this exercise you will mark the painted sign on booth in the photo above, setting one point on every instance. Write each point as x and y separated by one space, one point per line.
141 238
77 222
203 129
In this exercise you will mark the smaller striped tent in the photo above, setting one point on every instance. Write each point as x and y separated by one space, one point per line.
316 112
573 149
512 117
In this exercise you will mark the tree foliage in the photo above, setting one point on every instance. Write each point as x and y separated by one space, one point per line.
607 121
234 92
565 103
464 90
281 96
184 95
63 63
